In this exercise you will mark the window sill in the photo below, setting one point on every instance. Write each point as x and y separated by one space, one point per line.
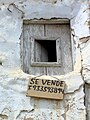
46 64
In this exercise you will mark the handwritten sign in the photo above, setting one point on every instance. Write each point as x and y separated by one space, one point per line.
42 88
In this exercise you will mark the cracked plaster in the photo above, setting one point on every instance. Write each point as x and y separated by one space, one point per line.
18 105
13 82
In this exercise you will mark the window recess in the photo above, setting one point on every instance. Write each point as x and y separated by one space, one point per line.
45 51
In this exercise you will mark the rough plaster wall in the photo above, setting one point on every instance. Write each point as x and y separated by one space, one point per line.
85 48
83 25
14 105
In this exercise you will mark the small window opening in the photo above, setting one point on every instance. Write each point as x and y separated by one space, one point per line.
47 49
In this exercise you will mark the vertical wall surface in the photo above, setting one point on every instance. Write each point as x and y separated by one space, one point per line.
14 105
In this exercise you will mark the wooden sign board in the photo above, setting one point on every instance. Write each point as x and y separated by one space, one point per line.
42 88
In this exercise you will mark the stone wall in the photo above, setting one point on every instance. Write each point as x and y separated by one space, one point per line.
14 105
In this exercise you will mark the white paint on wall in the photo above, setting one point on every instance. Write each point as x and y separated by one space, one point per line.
13 82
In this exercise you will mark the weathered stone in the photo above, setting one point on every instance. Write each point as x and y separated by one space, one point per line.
13 89
14 105
85 39
85 48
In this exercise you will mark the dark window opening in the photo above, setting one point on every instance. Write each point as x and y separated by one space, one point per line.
47 49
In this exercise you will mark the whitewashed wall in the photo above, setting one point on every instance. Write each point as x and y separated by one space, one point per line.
14 105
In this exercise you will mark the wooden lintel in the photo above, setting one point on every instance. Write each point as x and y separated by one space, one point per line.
46 21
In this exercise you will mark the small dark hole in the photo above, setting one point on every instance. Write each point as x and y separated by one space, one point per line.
50 47
0 63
